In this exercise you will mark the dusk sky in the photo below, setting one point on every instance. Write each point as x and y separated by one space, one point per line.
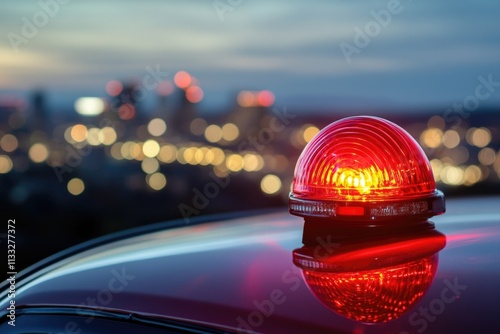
429 54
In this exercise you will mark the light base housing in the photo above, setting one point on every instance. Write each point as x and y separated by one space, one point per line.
370 212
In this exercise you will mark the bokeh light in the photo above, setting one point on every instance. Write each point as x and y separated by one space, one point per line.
188 154
156 181
265 98
131 150
38 152
75 186
431 138
157 127
90 106
167 153
151 148
457 155
198 126
115 151
245 99
451 139
126 111
234 162
472 174
165 88
182 79
252 162
79 133
221 171
496 165
478 137
9 143
93 136
180 156
452 175
270 184
218 156
436 122
202 156
194 94
107 135
487 156
213 133
5 164
309 133
150 165
230 132
114 88
436 166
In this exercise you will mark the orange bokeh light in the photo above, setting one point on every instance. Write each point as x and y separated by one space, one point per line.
165 88
182 79
265 98
126 111
194 94
262 98
246 99
114 87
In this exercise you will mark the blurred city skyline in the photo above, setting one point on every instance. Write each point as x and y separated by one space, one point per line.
425 54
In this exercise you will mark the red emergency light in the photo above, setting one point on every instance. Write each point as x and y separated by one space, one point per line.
364 168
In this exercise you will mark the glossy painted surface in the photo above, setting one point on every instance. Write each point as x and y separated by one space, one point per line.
240 273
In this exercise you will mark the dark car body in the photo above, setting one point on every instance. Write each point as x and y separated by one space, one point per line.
240 274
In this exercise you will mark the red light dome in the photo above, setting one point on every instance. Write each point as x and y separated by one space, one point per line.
364 168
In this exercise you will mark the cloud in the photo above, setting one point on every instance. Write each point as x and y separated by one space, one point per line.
279 43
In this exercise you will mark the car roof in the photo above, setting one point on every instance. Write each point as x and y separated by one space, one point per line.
240 273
